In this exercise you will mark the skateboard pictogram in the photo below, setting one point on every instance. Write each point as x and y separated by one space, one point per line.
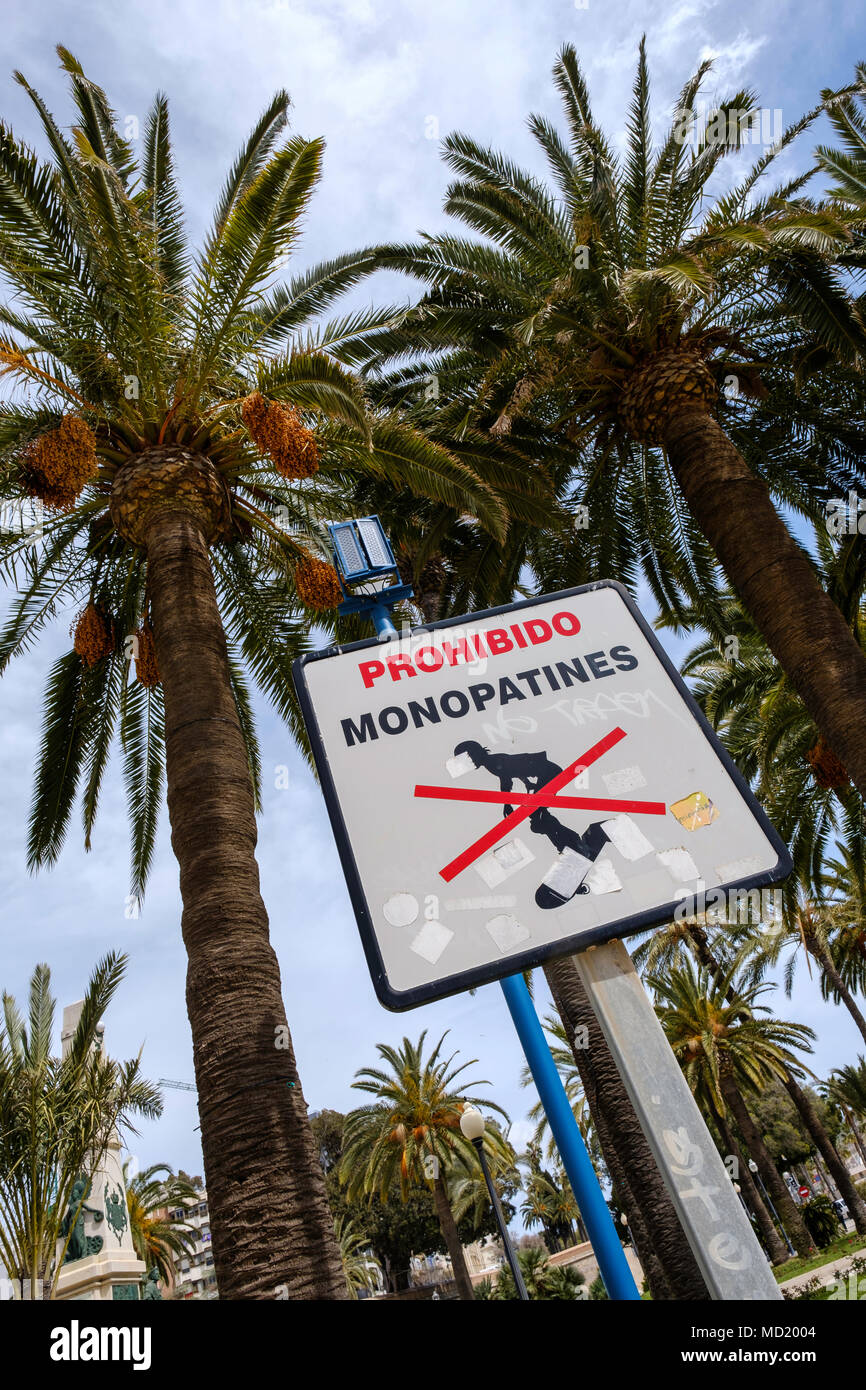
543 780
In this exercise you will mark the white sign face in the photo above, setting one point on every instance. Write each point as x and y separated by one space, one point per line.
522 783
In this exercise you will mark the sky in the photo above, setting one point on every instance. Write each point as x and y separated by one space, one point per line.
382 83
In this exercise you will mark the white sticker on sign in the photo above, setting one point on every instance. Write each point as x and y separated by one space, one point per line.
431 941
567 873
679 864
458 767
624 779
505 861
737 869
401 909
602 878
628 837
507 932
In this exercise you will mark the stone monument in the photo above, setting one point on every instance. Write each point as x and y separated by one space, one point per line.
100 1261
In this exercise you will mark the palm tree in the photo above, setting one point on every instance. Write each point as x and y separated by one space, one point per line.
811 927
844 909
412 1133
158 1236
765 725
849 1084
714 949
847 166
357 1260
468 1194
57 1117
542 1280
723 1046
804 788
614 306
731 1148
185 430
846 1088
552 1207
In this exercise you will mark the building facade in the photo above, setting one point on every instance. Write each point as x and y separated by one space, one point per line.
194 1270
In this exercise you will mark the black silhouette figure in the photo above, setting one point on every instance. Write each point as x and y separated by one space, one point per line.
535 770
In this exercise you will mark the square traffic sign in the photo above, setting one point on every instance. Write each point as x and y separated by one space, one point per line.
519 784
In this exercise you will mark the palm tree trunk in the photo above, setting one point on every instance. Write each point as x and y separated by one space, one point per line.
824 959
855 1130
660 1240
824 1143
269 1212
799 622
775 1246
656 1279
704 955
452 1240
773 1181
807 1111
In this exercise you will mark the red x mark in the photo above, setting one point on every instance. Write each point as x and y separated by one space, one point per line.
527 803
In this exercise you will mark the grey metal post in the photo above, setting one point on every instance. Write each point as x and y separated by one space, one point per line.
510 1255
727 1251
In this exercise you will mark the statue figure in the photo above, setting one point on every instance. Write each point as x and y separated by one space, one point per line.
79 1245
115 1207
151 1286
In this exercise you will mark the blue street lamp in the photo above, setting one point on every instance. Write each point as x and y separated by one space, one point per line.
363 556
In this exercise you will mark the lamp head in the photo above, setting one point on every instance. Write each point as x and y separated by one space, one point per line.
472 1124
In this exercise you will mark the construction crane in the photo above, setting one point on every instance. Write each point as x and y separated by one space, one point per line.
176 1085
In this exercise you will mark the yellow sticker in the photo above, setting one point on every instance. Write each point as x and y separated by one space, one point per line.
694 811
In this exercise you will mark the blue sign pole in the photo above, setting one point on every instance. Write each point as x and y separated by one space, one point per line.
362 553
612 1263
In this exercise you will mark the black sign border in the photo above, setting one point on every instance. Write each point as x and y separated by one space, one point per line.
400 1000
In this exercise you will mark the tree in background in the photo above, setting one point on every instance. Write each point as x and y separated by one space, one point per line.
846 1087
57 1116
411 1134
397 1229
358 1267
726 1050
543 1281
158 1234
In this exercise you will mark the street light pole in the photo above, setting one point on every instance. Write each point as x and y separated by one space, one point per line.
754 1170
472 1124
624 1221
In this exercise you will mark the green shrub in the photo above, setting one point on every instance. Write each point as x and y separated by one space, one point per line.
821 1220
543 1281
